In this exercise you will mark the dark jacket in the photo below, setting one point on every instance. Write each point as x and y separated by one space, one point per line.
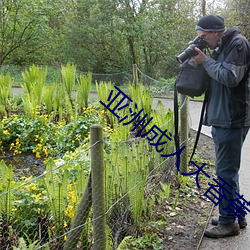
229 90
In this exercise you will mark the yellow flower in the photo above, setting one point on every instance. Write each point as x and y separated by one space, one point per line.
69 211
26 178
45 151
16 152
73 199
38 156
6 132
37 196
14 209
31 186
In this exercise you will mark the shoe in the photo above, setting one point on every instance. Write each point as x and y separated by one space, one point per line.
242 223
221 231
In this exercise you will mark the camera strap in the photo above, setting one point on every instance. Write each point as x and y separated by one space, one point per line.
200 125
176 123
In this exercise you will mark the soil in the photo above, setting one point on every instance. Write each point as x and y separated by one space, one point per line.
25 164
186 225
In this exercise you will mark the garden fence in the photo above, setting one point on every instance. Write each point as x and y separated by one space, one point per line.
116 193
128 188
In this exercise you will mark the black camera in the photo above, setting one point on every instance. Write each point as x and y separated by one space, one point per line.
190 51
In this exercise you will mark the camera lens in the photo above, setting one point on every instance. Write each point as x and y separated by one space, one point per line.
187 53
190 51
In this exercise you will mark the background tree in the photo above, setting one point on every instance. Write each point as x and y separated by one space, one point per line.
32 31
105 36
94 38
21 25
109 36
237 13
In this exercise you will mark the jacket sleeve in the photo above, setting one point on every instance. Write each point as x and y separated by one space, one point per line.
232 69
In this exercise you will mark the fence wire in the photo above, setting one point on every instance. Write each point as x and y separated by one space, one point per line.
158 87
30 218
39 213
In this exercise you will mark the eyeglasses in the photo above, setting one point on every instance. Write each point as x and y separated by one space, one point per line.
203 36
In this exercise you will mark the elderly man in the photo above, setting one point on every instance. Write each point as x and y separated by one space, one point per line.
227 111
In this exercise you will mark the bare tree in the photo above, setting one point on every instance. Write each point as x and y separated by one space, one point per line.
20 21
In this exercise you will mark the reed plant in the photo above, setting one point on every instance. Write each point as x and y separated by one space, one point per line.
34 80
5 90
48 98
164 192
126 172
56 184
175 202
142 96
7 231
6 184
137 180
83 91
164 119
62 106
68 75
65 183
103 91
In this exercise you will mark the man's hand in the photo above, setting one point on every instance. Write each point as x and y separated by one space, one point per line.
200 58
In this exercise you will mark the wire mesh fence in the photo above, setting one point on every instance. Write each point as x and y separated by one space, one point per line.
160 87
43 212
55 209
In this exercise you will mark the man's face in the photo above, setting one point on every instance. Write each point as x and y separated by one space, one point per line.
211 38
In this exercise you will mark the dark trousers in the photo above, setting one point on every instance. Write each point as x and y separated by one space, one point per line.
228 145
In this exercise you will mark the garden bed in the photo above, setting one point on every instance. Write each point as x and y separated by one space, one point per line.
25 164
177 223
149 205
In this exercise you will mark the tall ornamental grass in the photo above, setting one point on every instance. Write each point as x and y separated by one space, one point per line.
83 91
5 91
33 85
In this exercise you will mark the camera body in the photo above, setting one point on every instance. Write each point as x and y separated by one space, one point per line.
190 51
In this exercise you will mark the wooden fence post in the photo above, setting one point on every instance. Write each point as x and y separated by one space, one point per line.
80 218
98 195
135 74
